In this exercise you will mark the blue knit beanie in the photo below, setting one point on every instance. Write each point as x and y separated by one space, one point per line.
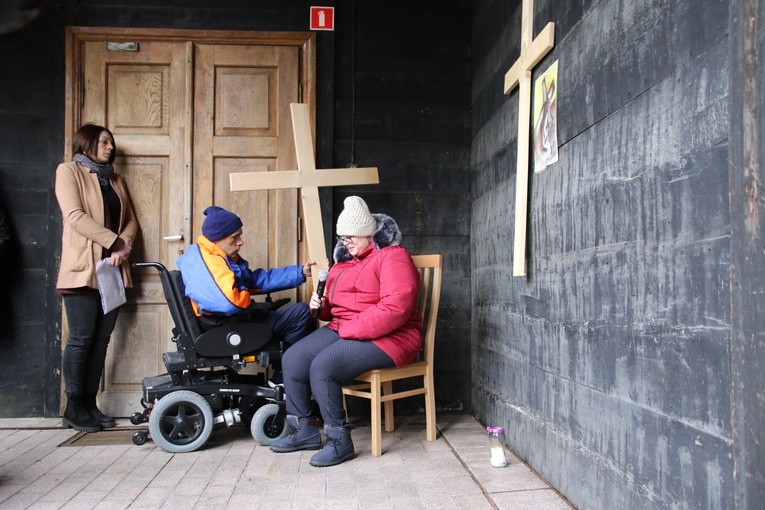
219 223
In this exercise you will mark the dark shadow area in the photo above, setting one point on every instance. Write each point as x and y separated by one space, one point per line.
10 269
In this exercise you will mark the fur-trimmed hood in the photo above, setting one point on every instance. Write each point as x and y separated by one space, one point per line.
386 234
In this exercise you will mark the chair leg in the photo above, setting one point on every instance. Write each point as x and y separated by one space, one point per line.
430 407
376 422
389 419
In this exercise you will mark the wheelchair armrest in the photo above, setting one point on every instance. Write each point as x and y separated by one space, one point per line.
267 306
257 312
157 265
271 305
242 314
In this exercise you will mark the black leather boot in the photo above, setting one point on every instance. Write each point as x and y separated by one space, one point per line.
77 416
105 421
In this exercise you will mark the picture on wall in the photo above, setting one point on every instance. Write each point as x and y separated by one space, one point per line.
546 118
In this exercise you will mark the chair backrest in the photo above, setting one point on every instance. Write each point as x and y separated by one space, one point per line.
430 268
185 312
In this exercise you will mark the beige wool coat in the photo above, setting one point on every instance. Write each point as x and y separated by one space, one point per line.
85 236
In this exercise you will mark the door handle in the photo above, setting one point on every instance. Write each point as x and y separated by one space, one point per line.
176 237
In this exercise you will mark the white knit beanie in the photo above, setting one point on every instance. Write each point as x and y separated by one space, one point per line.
355 220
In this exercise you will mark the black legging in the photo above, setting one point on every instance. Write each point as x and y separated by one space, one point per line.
320 364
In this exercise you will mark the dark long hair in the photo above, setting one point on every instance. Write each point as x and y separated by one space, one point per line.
86 140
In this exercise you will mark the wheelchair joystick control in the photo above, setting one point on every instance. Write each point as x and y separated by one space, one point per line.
234 339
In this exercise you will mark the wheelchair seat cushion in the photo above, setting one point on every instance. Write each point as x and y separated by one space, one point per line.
236 337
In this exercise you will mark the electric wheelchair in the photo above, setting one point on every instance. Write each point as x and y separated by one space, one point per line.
203 389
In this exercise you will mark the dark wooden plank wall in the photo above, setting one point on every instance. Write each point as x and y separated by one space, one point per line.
31 124
408 80
403 105
609 364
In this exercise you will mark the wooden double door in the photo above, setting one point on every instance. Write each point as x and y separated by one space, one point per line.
187 109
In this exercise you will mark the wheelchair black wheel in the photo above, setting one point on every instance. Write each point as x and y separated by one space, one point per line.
181 421
265 426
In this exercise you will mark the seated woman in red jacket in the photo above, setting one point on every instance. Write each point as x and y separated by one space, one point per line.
370 304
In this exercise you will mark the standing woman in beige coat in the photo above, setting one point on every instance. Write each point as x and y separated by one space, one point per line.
98 223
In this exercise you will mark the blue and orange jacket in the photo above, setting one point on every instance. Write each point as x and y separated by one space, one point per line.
218 284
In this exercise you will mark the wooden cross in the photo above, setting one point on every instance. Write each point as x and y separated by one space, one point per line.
532 51
308 179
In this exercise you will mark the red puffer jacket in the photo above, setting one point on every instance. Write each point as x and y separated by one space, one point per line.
374 297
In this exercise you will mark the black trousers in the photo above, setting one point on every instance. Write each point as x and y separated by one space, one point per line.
85 351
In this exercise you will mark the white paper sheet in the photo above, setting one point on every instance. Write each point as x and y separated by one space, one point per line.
110 285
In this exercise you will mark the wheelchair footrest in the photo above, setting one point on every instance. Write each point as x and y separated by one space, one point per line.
173 358
157 380
178 361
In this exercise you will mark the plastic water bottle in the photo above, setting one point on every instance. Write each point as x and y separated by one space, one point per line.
497 444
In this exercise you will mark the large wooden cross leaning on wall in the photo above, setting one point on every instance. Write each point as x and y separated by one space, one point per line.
308 179
532 51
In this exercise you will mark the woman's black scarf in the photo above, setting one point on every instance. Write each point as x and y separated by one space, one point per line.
102 170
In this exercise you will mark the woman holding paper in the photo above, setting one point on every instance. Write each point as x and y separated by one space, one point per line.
98 224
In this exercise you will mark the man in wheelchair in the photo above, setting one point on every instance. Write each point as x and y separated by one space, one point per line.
219 283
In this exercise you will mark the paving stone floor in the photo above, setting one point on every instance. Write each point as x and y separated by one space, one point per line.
38 470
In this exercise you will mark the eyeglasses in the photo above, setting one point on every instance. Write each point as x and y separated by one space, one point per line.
345 239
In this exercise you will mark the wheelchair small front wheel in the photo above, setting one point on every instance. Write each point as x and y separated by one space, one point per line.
181 421
265 427
139 438
137 418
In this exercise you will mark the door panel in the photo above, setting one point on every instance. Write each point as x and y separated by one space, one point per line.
242 124
185 113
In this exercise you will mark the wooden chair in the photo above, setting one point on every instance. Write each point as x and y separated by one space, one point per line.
377 385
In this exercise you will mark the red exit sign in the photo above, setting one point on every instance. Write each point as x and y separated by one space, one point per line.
322 18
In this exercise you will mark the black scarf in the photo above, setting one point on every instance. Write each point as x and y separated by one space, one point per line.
102 170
